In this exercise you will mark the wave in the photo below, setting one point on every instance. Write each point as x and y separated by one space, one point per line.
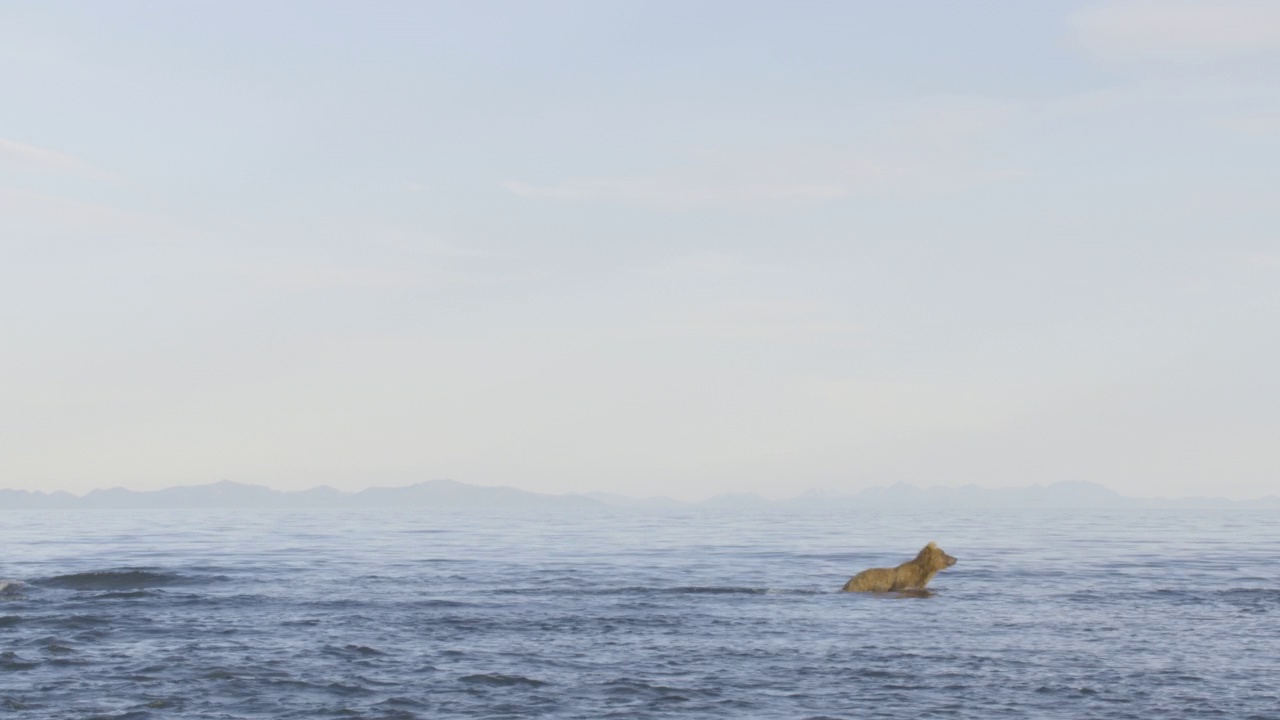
712 590
11 662
398 703
124 595
675 590
1245 593
501 680
623 687
80 622
437 603
352 650
1181 596
123 579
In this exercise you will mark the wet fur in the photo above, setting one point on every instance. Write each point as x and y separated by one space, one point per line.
910 575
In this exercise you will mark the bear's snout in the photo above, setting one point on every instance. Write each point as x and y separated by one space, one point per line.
950 561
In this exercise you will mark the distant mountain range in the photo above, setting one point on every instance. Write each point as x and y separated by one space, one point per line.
450 495
226 494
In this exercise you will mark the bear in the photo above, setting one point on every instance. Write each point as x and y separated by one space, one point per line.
910 575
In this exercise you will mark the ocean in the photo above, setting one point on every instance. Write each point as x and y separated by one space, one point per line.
1137 613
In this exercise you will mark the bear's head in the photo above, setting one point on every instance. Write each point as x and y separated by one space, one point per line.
935 558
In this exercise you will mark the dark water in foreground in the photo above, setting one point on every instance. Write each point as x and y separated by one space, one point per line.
1070 614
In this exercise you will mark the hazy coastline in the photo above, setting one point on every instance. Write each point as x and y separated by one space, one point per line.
451 494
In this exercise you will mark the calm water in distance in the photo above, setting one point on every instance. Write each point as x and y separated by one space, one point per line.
327 614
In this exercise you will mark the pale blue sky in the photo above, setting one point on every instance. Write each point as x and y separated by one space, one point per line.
653 247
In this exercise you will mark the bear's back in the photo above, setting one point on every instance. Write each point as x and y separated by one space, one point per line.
873 580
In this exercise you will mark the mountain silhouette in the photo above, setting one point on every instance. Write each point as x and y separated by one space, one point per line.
453 495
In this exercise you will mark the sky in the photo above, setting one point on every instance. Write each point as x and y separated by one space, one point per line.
652 248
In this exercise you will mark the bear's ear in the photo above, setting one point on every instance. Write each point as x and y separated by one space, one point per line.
932 545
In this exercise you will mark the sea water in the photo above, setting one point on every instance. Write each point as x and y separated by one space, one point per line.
328 614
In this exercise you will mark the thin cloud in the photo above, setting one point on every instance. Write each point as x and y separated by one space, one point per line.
713 265
41 161
431 247
750 320
412 262
1189 30
311 277
675 192
1252 125
23 212
924 146
793 178
1264 261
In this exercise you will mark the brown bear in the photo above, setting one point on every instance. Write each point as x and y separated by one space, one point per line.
910 575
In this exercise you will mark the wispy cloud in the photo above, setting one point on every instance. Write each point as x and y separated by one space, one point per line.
671 191
1179 29
400 262
713 264
922 146
329 276
23 212
795 177
751 320
1253 125
436 248
32 159
1264 260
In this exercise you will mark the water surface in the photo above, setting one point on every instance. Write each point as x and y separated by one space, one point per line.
325 614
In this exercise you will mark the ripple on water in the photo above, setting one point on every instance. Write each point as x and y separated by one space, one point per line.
653 692
11 662
352 651
501 680
1266 597
567 590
